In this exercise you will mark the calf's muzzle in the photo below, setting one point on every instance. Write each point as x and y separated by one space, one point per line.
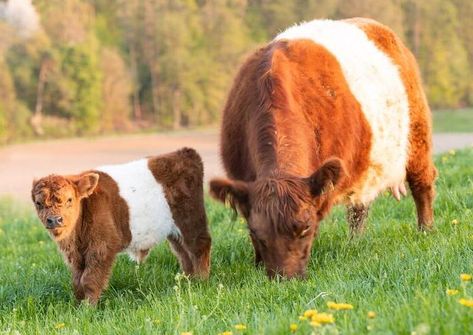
54 221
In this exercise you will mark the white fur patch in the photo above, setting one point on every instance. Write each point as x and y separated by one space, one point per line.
150 219
375 82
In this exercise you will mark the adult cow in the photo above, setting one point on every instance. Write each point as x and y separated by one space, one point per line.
328 112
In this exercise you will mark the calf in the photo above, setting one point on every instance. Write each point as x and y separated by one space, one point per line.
328 112
129 207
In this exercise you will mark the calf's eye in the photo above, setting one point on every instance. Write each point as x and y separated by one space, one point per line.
38 203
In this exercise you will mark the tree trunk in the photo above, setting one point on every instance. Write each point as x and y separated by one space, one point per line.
154 89
137 114
37 118
176 109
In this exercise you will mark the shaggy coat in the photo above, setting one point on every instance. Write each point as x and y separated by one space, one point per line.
129 207
328 112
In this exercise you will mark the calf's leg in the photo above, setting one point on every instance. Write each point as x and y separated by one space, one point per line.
96 274
199 253
181 253
76 284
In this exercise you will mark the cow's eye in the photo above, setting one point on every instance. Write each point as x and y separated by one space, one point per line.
69 201
38 204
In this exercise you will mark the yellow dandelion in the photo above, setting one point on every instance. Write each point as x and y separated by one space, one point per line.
226 333
452 292
302 318
466 302
60 325
323 318
465 277
186 333
240 326
444 159
293 327
452 152
339 307
371 315
309 313
454 222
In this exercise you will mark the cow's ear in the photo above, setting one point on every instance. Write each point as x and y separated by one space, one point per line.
234 193
326 177
86 184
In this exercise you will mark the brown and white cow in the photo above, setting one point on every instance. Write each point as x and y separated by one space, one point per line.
129 207
328 112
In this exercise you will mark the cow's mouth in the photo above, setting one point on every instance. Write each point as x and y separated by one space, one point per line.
55 231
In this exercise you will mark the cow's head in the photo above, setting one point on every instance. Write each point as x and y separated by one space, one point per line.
58 200
283 213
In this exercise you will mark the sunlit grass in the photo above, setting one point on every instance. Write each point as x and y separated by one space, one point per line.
394 278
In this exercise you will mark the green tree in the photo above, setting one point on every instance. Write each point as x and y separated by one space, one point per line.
465 32
116 91
82 79
440 51
388 12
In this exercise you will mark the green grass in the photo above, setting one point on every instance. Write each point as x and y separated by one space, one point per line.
453 121
392 269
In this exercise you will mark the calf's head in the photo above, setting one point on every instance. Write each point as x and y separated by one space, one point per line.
283 213
57 200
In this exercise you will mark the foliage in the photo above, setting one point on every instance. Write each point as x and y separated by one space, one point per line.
102 65
393 270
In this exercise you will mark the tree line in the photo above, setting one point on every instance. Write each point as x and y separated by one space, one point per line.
73 67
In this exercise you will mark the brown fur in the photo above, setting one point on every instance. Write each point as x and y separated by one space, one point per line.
421 172
96 221
181 175
286 119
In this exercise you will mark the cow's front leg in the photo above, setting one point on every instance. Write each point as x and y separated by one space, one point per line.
356 216
258 258
96 274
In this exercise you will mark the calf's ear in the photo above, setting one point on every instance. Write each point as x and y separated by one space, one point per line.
33 186
86 184
235 193
326 177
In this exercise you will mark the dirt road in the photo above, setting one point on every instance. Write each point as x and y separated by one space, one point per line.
20 163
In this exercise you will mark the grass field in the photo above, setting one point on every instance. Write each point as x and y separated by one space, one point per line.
400 274
453 121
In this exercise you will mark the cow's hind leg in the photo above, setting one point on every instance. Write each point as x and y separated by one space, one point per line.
356 216
421 178
421 172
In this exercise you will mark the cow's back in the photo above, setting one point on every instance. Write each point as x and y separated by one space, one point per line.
344 85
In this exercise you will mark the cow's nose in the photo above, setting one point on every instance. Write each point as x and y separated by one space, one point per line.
53 221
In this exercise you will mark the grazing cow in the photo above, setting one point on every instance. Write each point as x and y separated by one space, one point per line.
129 207
329 112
